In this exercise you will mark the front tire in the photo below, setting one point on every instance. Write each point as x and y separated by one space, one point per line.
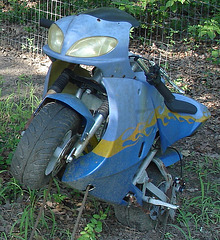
39 142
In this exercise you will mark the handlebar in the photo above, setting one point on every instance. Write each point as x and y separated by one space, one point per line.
153 77
46 23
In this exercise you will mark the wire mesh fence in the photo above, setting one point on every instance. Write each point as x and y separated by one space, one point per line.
163 22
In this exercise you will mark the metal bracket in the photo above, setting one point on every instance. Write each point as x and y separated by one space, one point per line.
142 178
157 202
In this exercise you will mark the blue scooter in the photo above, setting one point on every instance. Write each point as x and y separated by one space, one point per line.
107 120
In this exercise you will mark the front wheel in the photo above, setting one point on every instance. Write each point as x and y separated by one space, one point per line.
43 145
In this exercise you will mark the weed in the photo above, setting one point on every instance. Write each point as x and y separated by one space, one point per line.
29 45
215 56
29 29
94 227
26 219
9 190
202 210
24 78
1 80
208 28
181 231
15 110
58 197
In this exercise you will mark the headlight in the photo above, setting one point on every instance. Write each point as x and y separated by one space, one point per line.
92 47
55 38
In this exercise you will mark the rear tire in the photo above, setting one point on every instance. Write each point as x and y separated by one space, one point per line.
134 217
141 217
39 143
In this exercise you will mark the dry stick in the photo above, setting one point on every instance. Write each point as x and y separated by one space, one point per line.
80 213
165 224
41 210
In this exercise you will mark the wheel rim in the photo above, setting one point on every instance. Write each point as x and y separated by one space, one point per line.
57 160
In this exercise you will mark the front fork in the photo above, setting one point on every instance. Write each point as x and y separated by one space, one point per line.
81 144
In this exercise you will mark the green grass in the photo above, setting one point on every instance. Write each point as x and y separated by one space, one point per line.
15 109
23 226
200 210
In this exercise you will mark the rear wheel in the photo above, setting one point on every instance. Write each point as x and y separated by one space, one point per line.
135 217
146 217
44 145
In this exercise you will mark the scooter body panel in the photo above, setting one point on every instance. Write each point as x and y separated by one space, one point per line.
132 127
128 138
175 126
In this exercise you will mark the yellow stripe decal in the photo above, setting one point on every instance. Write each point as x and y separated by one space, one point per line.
109 148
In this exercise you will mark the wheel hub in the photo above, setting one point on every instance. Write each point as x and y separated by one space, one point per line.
58 158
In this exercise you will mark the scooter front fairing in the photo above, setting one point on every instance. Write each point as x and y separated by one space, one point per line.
115 62
111 166
131 130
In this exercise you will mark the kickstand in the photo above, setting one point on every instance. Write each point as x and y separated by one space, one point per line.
80 213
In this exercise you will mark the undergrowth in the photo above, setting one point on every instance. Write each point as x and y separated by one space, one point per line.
200 210
15 109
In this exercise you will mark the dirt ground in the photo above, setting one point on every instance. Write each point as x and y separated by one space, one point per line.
203 82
